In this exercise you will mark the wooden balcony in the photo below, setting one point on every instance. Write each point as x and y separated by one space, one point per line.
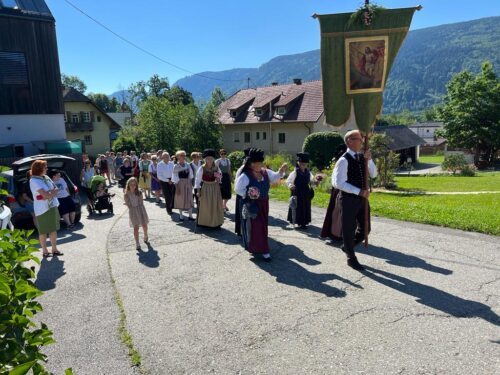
79 127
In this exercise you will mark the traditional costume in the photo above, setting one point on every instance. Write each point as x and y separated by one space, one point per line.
254 188
348 176
210 211
194 167
144 177
225 168
299 182
183 199
237 211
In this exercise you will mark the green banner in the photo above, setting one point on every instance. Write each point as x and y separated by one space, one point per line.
356 60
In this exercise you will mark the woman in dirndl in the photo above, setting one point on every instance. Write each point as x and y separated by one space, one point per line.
224 165
182 178
155 182
253 185
237 210
208 179
144 176
300 183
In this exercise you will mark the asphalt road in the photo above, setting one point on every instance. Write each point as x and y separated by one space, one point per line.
196 302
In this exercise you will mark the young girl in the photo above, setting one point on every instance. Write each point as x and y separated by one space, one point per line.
137 213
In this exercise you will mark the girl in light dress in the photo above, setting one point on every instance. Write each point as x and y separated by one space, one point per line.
136 210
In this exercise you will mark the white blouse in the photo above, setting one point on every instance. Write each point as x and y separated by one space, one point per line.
179 168
290 181
199 177
242 181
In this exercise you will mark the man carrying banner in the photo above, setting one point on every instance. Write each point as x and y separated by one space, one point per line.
348 177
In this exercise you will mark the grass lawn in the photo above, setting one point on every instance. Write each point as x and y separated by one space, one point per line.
487 181
477 213
431 159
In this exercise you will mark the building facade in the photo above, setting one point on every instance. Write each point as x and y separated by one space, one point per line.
86 122
31 106
275 118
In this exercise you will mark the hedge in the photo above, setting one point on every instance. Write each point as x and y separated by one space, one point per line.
322 148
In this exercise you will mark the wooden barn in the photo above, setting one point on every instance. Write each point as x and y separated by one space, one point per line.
31 105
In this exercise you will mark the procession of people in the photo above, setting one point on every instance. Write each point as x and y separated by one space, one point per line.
204 185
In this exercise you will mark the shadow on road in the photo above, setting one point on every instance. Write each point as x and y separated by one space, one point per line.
149 258
286 270
397 258
50 270
67 237
433 297
221 235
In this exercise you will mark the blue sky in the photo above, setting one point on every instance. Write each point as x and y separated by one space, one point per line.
202 35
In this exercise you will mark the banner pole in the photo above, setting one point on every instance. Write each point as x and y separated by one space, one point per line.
366 186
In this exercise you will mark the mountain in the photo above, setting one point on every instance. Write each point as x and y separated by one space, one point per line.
427 60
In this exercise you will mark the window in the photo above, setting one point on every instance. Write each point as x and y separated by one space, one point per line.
233 114
264 136
236 137
257 135
281 137
86 117
259 112
9 3
98 118
75 119
247 137
281 111
13 68
88 139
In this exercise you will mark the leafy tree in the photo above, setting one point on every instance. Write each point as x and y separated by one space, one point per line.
403 118
177 95
322 147
471 113
155 86
386 160
74 82
105 102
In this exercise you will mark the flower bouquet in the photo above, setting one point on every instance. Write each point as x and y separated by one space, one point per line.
253 193
218 176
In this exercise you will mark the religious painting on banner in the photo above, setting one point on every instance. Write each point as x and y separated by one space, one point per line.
366 64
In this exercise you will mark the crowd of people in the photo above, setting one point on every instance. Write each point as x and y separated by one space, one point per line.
205 183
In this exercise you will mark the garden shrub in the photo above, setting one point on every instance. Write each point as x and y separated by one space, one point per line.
322 148
21 338
275 161
454 163
468 171
387 161
236 158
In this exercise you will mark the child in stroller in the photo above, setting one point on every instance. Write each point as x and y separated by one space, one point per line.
101 199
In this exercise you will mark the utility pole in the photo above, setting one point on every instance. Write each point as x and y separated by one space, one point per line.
248 82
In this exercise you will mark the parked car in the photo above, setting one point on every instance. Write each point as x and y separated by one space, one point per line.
16 179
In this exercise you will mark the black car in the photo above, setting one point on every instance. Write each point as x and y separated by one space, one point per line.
17 183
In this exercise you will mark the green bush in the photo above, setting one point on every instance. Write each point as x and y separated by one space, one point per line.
275 161
236 158
322 148
454 163
125 142
21 338
468 171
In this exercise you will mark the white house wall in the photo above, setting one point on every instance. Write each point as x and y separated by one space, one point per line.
31 131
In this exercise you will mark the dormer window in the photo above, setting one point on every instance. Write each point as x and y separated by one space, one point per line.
281 111
233 114
259 112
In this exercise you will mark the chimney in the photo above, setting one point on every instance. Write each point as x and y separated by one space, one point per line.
297 81
274 83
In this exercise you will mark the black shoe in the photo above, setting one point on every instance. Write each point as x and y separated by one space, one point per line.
353 263
169 212
343 248
267 259
191 219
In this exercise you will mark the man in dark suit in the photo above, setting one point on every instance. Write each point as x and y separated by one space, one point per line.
348 177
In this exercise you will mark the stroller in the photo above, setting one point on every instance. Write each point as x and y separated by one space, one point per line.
99 203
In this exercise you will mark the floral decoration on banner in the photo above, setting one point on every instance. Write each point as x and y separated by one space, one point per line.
365 14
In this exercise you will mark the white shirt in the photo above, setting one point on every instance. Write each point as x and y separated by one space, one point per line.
339 176
63 188
242 181
165 171
42 205
199 177
290 181
179 168
195 166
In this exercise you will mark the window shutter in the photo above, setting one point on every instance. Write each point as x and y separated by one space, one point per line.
81 116
92 116
68 116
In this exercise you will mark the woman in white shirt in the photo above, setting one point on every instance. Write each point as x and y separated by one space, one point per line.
45 204
253 186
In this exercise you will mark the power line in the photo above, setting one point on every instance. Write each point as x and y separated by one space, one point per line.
145 50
